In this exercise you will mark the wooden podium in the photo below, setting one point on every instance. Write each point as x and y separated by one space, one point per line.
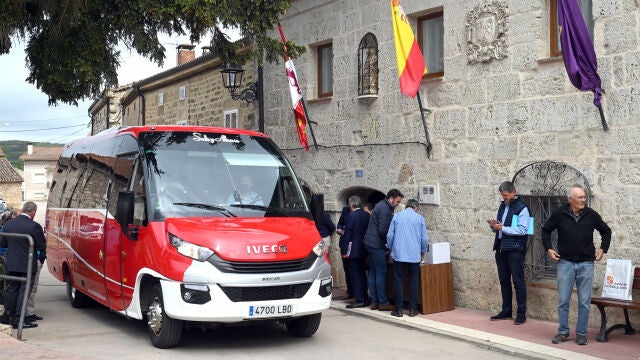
435 289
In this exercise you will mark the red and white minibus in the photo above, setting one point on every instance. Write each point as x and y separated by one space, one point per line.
187 225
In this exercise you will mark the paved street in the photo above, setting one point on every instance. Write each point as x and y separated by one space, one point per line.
96 333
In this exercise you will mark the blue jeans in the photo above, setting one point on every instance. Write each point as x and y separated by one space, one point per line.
413 269
581 274
511 267
378 275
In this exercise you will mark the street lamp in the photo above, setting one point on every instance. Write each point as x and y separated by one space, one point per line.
232 81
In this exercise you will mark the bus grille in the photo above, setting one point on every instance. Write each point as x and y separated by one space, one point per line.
262 267
264 293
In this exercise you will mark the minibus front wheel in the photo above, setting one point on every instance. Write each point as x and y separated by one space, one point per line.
304 326
164 331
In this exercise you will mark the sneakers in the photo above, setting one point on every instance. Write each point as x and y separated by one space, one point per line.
581 340
560 338
501 316
397 313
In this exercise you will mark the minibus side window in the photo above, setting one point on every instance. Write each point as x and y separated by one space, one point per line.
75 179
59 184
120 179
137 186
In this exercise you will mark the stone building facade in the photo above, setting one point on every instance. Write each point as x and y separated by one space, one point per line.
192 93
489 120
10 183
39 166
506 114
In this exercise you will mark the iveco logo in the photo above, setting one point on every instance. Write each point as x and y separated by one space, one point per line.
266 249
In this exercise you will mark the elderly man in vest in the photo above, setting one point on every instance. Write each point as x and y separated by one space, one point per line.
511 226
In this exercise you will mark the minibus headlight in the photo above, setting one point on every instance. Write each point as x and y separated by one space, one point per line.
320 248
188 249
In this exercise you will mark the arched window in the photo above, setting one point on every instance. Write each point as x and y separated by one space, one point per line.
368 66
543 186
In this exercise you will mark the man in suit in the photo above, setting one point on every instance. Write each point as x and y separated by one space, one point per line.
353 250
342 225
18 257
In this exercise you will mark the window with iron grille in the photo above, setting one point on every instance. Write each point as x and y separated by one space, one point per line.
368 65
543 187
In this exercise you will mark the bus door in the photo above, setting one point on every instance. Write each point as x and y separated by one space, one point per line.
118 249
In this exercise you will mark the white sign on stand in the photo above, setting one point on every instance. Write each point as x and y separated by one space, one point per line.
438 253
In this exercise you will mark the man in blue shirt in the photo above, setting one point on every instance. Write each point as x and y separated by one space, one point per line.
511 226
407 239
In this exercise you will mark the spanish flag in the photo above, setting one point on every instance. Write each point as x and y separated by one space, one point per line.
411 65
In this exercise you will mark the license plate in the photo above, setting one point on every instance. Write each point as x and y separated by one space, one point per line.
270 310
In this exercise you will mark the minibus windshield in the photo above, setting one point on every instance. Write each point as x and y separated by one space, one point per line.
204 174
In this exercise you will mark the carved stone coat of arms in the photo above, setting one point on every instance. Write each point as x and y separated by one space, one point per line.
486 27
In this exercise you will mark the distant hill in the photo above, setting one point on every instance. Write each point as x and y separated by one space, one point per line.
14 148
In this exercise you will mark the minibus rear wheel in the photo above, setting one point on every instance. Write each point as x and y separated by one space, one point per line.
304 326
76 298
164 331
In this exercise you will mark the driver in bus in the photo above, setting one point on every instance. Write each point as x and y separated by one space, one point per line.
244 193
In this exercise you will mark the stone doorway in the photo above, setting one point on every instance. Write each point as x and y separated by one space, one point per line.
368 195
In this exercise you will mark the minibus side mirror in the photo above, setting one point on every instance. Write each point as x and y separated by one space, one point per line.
124 213
317 206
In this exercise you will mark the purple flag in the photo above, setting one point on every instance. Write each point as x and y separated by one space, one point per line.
577 49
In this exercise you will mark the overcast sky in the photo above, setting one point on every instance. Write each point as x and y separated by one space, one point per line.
24 110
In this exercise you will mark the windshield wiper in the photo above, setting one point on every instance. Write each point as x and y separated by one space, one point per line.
253 206
220 209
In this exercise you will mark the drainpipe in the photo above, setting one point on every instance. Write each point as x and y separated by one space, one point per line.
108 112
92 124
142 104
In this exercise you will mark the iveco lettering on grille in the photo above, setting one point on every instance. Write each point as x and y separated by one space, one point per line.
266 249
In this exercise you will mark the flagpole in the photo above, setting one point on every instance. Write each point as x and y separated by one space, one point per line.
605 127
304 107
424 124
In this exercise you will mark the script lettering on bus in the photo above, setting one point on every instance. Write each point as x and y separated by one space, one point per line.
223 138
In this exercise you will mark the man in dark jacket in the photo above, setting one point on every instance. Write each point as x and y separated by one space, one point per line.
340 228
576 252
326 227
375 240
18 256
510 245
353 250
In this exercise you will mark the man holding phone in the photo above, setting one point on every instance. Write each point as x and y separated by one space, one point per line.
511 226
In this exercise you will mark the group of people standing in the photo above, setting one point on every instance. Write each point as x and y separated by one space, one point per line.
17 264
575 255
368 236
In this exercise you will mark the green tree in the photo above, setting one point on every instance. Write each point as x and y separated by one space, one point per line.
72 51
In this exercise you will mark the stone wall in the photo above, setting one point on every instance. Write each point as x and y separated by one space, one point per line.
12 194
489 120
205 102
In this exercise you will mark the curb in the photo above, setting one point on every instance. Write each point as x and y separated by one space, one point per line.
503 344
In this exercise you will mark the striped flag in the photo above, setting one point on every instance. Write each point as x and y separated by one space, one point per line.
411 65
296 95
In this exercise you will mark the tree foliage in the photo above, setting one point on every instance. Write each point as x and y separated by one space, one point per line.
72 45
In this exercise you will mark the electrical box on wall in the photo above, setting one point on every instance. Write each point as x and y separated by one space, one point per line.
428 194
